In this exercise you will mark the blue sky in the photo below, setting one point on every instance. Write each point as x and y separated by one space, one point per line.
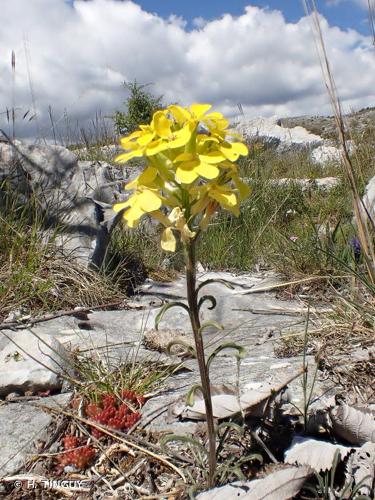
345 13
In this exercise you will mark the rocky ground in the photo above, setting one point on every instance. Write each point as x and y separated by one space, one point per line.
325 126
251 313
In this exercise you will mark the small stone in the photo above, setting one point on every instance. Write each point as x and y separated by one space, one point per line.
12 395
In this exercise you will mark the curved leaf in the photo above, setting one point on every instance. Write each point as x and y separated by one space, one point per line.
165 308
203 299
231 425
228 345
189 348
191 394
213 280
207 324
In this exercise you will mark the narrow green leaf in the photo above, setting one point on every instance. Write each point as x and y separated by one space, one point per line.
191 394
165 308
208 282
207 324
203 299
189 348
232 425
228 345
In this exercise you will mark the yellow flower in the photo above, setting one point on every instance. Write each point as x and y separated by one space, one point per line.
143 201
191 171
191 166
178 222
155 138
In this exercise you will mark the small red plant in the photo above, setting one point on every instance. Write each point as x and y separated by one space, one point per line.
70 442
119 414
78 456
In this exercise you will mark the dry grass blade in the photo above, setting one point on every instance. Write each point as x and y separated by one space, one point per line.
361 214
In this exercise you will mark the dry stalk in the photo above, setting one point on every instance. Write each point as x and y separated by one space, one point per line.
361 214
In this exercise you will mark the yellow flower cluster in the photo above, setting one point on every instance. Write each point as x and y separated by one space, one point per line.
190 170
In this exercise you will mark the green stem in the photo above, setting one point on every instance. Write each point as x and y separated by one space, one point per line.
192 297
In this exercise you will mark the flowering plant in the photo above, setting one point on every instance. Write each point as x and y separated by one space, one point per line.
190 173
190 170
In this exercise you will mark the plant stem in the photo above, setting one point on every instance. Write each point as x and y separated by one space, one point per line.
205 380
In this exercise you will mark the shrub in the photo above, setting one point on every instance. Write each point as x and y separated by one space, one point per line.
141 105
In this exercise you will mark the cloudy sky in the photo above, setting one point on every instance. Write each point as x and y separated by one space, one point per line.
72 57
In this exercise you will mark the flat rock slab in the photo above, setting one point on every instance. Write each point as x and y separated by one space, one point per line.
29 363
252 317
21 425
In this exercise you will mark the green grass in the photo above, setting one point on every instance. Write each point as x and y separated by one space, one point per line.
283 227
34 276
292 231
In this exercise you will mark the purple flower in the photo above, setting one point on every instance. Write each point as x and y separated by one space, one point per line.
356 247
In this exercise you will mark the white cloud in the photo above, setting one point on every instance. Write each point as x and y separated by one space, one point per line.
79 56
361 3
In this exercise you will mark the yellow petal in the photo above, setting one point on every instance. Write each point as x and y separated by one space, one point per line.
175 215
117 207
124 157
233 150
181 115
133 215
212 157
186 233
184 157
145 178
207 171
226 199
240 148
156 147
168 241
162 218
148 175
161 124
129 138
145 139
219 124
202 138
181 137
149 201
199 110
186 176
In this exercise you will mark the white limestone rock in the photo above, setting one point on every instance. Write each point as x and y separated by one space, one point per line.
20 370
76 195
369 198
269 131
